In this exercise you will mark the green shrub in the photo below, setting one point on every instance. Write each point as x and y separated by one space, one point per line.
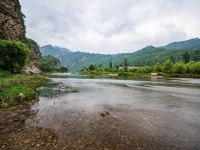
167 66
179 67
145 69
158 68
13 55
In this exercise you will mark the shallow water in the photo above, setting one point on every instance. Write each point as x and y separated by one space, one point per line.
144 114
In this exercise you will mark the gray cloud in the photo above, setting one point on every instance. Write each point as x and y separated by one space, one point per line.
111 26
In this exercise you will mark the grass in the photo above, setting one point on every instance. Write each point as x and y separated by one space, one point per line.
18 89
17 95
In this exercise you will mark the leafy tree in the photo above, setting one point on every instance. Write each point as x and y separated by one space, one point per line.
158 67
126 65
172 59
13 55
100 65
92 67
179 67
110 65
50 63
167 66
63 69
186 57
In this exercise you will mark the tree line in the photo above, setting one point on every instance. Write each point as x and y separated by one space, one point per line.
170 66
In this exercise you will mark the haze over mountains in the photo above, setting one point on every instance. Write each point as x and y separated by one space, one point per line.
149 55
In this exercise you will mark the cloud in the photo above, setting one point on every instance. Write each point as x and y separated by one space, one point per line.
111 26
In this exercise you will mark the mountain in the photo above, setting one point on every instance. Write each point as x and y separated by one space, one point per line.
183 44
149 55
53 50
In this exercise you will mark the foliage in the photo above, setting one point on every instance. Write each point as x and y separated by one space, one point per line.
63 69
158 67
125 64
91 67
17 94
168 68
11 86
110 65
186 57
179 67
52 64
13 55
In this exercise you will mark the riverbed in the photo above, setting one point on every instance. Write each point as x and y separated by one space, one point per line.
142 114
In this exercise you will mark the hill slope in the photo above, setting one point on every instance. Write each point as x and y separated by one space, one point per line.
183 44
149 55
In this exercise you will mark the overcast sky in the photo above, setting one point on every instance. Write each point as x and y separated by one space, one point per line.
111 26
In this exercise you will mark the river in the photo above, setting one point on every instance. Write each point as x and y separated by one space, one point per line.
143 114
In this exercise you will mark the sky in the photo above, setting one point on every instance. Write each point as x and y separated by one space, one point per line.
110 26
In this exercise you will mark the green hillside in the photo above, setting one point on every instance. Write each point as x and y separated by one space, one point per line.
147 56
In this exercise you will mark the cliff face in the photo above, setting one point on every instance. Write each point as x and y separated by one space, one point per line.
11 20
12 27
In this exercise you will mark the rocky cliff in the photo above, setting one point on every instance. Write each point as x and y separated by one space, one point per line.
12 28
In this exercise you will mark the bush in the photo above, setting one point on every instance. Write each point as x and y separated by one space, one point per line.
13 55
167 66
63 69
91 67
179 67
158 68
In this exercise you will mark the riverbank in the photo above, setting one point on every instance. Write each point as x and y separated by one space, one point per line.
132 75
17 95
19 89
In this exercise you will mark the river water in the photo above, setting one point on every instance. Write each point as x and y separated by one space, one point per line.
143 114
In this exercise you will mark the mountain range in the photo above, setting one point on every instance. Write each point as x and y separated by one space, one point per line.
149 55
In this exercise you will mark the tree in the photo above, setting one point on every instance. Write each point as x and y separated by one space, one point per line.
186 57
49 64
63 69
92 67
13 55
158 67
167 66
172 59
110 65
179 67
126 65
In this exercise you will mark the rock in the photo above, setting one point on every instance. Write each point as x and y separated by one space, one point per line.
154 74
21 95
11 19
12 27
105 114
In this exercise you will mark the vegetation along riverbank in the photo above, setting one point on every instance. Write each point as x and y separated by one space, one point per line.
169 68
